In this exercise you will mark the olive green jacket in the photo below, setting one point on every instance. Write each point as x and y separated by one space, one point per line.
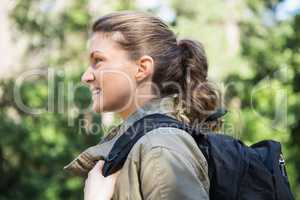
164 164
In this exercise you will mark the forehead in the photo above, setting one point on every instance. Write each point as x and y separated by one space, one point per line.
104 42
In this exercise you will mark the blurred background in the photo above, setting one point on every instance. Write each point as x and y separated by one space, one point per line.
253 48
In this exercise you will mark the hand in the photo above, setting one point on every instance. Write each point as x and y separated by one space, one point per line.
98 187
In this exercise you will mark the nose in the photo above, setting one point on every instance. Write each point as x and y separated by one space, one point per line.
87 77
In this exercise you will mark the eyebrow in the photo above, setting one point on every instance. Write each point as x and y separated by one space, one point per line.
93 52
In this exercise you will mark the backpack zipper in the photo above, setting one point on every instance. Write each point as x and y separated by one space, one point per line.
282 165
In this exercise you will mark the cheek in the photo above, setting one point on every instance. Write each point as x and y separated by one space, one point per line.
116 83
118 87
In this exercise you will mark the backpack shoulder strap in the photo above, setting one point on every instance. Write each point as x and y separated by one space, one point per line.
125 142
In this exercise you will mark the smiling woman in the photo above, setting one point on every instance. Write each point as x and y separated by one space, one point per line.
146 60
138 67
108 64
111 75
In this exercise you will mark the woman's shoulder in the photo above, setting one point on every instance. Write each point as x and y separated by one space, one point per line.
172 148
170 139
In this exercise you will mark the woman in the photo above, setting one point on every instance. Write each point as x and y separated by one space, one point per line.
139 67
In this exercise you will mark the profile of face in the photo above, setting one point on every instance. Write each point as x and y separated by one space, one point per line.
112 76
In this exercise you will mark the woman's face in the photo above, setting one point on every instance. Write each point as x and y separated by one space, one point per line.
110 75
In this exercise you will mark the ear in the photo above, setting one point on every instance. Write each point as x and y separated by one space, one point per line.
145 68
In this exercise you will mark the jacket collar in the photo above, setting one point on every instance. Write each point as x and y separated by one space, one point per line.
163 105
86 160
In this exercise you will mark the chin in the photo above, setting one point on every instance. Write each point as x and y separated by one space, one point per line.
97 108
101 109
107 108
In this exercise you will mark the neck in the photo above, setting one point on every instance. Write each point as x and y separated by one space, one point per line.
134 105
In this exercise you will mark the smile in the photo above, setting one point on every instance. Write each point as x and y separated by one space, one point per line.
96 91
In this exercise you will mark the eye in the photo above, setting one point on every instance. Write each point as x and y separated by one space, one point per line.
96 61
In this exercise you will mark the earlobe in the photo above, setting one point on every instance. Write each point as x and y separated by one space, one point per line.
145 68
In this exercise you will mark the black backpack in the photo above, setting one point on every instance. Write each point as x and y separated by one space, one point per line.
236 171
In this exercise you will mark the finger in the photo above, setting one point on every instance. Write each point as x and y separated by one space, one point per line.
100 163
98 167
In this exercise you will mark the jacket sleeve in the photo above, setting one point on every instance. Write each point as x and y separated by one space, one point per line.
168 175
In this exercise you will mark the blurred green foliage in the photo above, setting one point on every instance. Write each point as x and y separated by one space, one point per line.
269 94
258 75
